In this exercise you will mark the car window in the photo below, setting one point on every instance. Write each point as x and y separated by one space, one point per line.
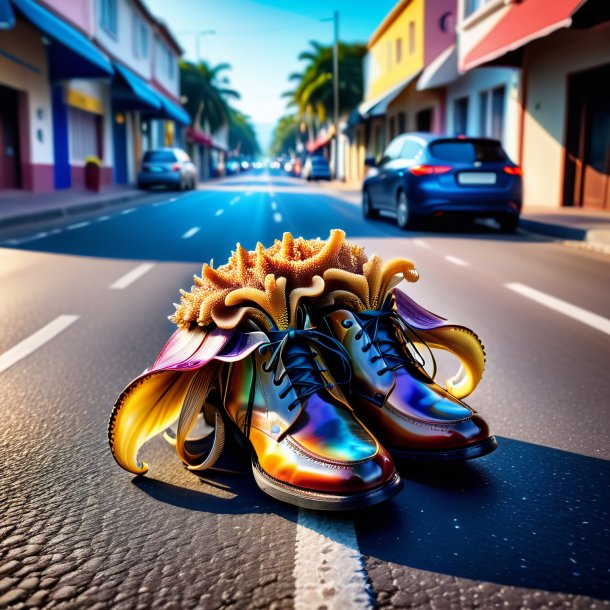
464 151
410 149
393 149
319 161
159 156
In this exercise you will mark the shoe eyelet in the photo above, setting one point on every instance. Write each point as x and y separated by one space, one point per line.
347 323
378 397
275 430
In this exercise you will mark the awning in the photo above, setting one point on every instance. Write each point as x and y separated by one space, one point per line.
7 17
198 137
137 93
171 110
440 72
323 139
523 22
379 105
71 54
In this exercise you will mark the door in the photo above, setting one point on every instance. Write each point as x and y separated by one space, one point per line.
587 163
10 161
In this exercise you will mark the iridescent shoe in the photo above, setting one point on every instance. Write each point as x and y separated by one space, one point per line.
410 414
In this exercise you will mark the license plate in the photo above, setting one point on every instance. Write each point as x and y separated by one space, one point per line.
156 169
476 178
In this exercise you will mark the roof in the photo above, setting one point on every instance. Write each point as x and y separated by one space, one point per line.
387 21
161 26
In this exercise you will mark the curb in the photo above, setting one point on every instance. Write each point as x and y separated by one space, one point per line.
554 230
71 210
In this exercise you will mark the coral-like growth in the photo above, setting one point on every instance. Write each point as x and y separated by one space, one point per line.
266 284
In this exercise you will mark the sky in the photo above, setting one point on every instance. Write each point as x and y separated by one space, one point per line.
262 39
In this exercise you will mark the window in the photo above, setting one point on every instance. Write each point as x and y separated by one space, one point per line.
159 156
423 120
411 37
497 113
84 134
464 151
398 50
393 150
460 115
470 6
167 62
108 17
402 122
411 149
392 127
140 37
483 113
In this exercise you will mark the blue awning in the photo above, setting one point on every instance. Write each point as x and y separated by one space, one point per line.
71 54
173 111
137 95
7 17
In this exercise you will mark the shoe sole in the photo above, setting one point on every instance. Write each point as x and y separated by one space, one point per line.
451 455
305 498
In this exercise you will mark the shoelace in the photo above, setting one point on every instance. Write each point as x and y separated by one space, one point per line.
293 356
384 327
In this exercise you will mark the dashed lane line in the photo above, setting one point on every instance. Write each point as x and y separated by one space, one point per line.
277 217
131 276
128 211
191 232
454 260
234 201
33 342
78 225
329 571
273 205
567 309
422 244
219 212
102 218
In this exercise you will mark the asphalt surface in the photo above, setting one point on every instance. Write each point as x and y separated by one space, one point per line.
526 527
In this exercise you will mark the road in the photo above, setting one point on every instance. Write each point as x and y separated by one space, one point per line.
525 527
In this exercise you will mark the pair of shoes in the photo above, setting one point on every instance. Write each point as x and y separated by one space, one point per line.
311 357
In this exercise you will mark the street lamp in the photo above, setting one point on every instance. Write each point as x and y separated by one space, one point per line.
198 34
335 20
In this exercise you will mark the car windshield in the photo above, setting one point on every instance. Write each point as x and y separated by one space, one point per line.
464 151
319 161
162 156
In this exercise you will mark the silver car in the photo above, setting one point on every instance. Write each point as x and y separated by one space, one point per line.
167 166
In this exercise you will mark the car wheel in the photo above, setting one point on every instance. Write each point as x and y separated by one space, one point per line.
403 214
368 210
142 186
509 224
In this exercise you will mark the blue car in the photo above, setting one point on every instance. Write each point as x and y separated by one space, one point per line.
425 175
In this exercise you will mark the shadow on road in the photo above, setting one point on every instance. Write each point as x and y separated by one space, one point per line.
527 516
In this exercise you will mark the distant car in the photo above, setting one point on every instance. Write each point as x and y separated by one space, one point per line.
424 175
167 166
316 168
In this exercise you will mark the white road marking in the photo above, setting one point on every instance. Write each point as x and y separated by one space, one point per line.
219 212
191 232
422 244
33 342
55 232
131 276
277 217
78 225
173 199
328 571
273 205
248 193
234 201
159 204
129 211
457 261
103 218
567 309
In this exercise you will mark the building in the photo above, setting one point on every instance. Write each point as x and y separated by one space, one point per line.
80 79
412 36
562 50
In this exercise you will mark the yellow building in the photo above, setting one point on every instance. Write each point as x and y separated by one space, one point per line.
410 37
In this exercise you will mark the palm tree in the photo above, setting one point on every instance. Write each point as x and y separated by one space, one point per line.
313 94
207 92
242 136
285 135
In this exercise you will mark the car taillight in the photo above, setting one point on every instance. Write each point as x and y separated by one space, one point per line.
176 167
427 170
513 171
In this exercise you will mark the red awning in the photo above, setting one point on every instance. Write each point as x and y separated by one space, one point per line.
198 137
322 139
523 22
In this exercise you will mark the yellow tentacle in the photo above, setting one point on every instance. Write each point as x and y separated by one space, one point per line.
467 348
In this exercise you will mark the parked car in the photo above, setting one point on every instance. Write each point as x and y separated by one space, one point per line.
426 175
167 166
316 168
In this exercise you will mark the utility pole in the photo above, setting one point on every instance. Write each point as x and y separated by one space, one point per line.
336 89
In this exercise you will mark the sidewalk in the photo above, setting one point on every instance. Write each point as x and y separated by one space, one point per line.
20 207
574 224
